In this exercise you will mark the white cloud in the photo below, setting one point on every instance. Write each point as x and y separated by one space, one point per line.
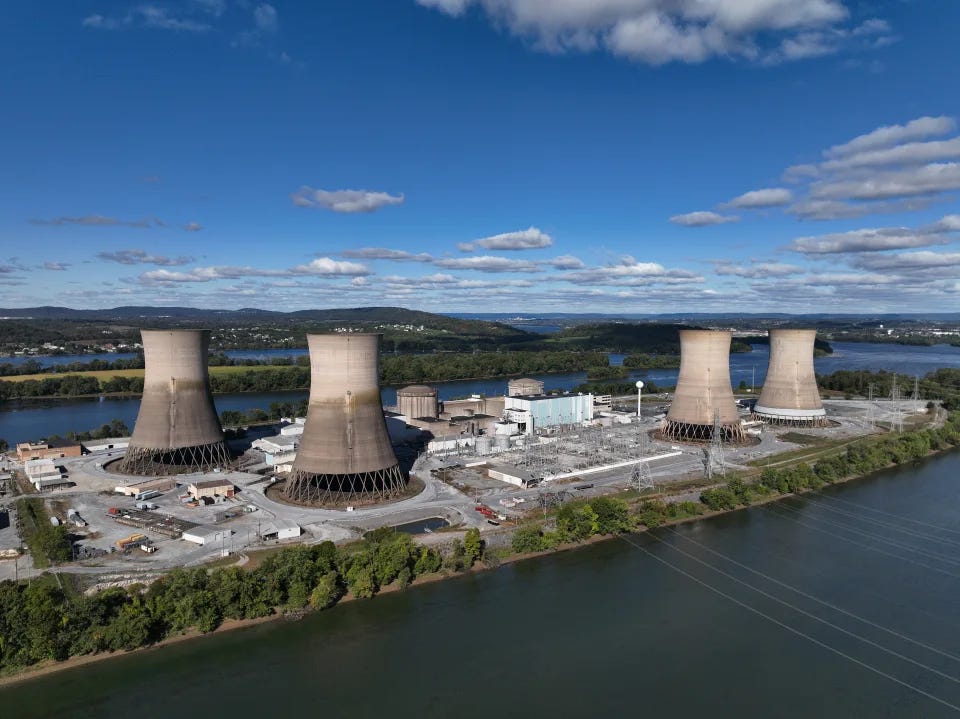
912 181
56 266
840 210
702 218
767 197
660 31
349 201
878 239
328 267
907 154
888 135
320 267
565 262
142 257
383 253
531 238
193 227
628 271
487 263
758 270
944 262
98 221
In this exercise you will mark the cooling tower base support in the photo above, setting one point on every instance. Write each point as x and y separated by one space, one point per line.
686 432
778 421
345 489
151 462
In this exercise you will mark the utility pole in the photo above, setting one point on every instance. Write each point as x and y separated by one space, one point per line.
639 397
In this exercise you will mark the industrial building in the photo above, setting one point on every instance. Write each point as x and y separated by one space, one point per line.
280 529
206 534
704 396
790 395
177 427
345 455
279 449
524 386
43 473
211 488
53 449
533 413
418 401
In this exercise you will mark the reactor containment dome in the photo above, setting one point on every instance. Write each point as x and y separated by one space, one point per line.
345 454
790 396
177 427
704 397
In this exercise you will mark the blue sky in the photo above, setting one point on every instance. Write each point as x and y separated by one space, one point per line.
485 155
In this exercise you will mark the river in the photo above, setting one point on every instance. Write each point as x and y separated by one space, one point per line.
32 419
612 629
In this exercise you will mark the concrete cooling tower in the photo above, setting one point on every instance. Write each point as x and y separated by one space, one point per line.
345 455
703 391
177 428
790 395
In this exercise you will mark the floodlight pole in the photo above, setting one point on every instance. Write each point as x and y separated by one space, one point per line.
639 396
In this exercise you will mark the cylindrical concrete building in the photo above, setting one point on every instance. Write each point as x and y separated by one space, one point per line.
790 396
703 395
177 428
524 386
418 401
345 455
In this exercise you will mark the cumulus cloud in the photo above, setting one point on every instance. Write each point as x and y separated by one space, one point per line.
757 270
628 271
912 261
349 201
383 253
320 267
692 31
193 227
912 181
878 239
142 257
888 135
758 199
487 263
809 209
702 218
565 262
531 238
56 266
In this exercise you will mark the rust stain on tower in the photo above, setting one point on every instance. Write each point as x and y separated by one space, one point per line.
345 455
790 396
703 396
177 427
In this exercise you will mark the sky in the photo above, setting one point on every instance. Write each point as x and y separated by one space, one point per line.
517 156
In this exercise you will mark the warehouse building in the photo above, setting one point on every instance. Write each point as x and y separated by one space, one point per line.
211 488
205 534
280 449
52 449
280 529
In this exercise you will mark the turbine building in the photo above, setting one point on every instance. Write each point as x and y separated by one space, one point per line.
345 455
790 396
703 396
177 427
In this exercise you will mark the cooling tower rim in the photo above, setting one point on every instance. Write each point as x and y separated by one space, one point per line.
702 332
344 335
789 413
191 331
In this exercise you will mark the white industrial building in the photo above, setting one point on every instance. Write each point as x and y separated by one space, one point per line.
102 445
532 413
205 534
280 529
280 449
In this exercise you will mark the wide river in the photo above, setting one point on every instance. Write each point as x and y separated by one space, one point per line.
845 604
29 420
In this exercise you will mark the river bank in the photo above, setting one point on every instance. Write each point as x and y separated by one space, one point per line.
512 558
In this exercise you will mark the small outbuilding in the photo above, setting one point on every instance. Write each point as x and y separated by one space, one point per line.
280 529
205 534
211 488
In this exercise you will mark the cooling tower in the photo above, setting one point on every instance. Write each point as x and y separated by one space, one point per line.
177 428
345 455
703 391
790 395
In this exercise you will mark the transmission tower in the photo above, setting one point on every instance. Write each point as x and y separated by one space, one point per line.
871 419
916 391
897 414
641 470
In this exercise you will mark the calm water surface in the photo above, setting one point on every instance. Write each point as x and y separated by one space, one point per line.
616 629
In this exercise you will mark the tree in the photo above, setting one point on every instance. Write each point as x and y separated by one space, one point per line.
472 546
527 539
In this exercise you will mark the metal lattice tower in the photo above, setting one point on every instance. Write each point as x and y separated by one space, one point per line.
641 470
897 425
916 390
871 418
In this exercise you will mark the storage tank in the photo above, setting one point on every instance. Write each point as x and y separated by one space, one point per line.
177 427
345 455
703 389
417 401
524 386
790 396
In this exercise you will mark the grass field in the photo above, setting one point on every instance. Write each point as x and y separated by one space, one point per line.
108 373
